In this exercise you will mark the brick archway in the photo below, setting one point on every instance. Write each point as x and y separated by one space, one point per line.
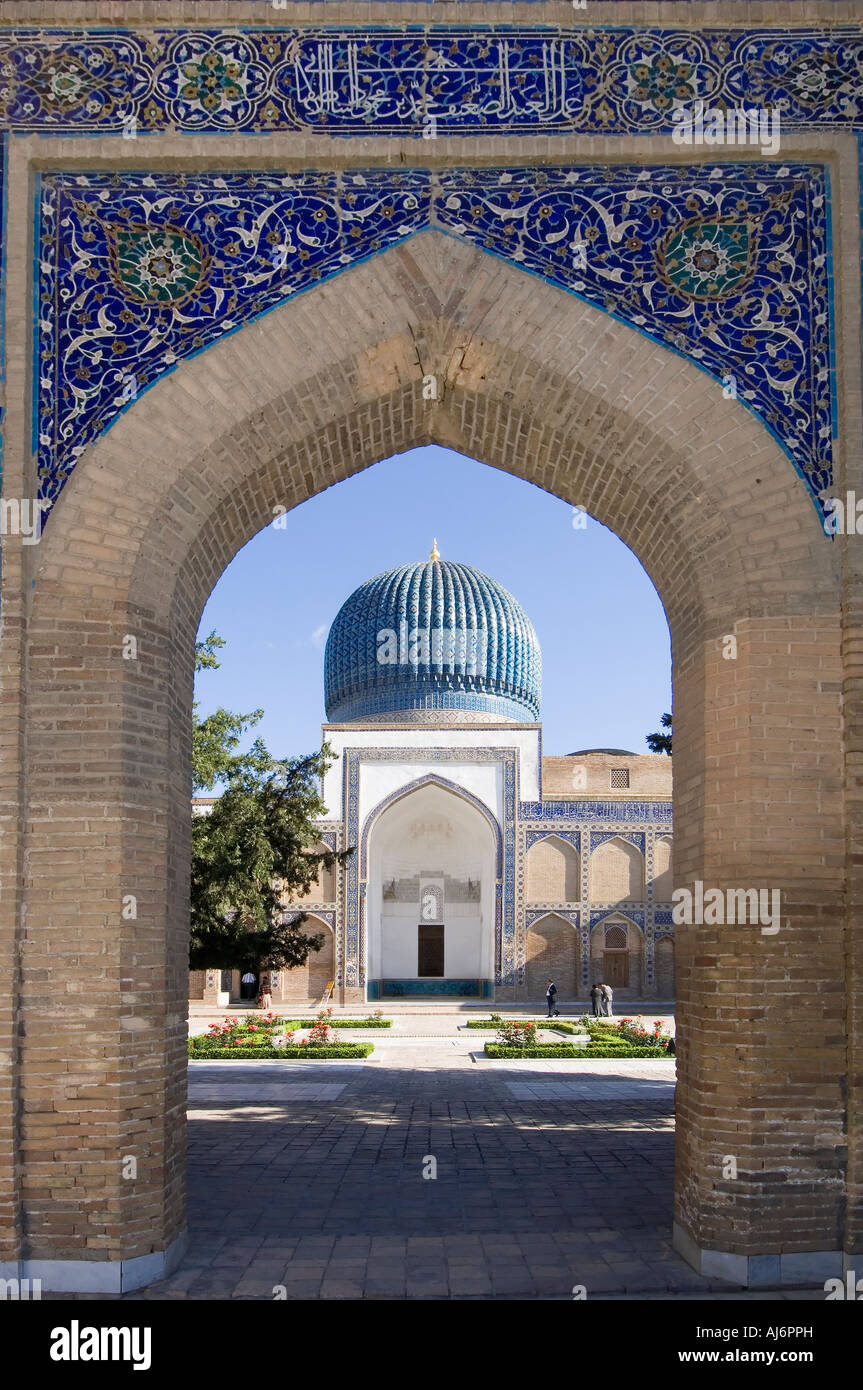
531 380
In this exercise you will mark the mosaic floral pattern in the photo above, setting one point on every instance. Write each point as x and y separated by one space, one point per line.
728 268
148 269
421 79
634 914
138 271
633 837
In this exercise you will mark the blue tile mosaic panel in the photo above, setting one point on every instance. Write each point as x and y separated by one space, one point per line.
614 812
635 915
420 79
633 837
727 266
140 270
396 989
137 271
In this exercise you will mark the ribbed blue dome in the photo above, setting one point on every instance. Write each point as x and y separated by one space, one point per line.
433 635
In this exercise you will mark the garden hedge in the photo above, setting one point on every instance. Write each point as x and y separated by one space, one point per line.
497 1050
255 1054
600 1049
291 1024
486 1023
539 1050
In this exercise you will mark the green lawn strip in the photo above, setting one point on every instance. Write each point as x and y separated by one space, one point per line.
255 1054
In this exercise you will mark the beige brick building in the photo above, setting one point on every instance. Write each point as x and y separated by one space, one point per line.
506 251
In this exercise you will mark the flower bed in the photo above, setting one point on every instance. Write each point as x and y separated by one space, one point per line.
621 1038
232 1032
629 1033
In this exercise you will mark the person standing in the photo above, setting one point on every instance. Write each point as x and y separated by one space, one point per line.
248 984
607 1000
265 997
596 1001
551 1000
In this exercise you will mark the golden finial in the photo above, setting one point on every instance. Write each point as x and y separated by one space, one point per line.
435 553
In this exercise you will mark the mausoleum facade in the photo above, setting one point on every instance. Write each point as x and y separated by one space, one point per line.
480 867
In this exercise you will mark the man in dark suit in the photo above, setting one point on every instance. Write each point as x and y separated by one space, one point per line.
596 1000
551 1000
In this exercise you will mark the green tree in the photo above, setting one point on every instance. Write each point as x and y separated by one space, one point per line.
256 844
661 743
216 737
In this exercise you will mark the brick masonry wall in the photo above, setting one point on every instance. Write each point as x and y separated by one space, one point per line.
589 774
617 873
95 785
552 873
551 952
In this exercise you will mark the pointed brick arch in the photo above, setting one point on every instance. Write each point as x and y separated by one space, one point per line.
530 380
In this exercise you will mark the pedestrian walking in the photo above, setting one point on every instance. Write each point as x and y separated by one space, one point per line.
551 1000
595 1001
248 986
607 1000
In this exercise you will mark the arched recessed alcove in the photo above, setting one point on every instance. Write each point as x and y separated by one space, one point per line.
429 846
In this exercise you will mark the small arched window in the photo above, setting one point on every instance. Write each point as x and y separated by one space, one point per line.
615 938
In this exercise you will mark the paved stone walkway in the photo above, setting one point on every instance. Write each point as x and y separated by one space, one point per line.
549 1175
308 1177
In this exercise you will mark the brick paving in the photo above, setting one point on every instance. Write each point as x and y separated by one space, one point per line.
549 1175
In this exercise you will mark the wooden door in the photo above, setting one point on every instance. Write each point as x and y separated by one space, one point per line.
429 950
616 968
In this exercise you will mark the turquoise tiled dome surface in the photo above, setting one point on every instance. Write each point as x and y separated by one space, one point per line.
504 678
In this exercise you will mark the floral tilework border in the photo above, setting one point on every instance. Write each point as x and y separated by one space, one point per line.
421 80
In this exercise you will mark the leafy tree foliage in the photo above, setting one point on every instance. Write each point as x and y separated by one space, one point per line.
661 743
257 844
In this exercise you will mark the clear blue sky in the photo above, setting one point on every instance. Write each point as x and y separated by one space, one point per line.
601 626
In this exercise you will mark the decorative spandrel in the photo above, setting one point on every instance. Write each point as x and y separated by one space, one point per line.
729 268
